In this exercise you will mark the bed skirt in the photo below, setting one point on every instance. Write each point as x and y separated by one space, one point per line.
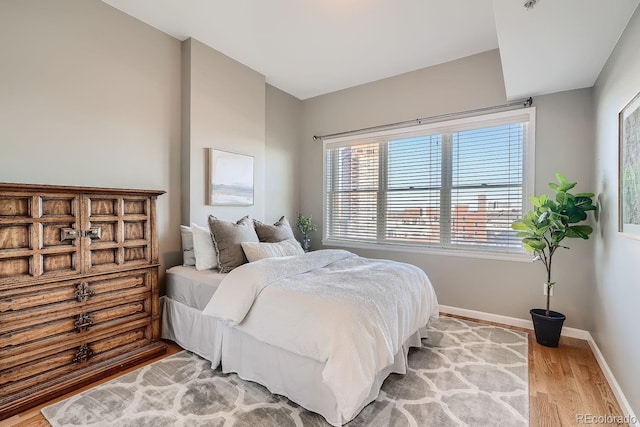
297 377
192 330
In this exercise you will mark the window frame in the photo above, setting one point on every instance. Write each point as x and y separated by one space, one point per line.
439 127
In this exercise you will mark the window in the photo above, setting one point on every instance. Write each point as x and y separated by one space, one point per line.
454 185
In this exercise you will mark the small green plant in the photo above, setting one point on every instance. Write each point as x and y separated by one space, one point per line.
551 221
305 224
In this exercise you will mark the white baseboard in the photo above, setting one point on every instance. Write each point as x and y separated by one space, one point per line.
511 321
568 332
613 383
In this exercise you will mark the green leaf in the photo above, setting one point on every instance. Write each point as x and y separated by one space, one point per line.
519 225
542 230
530 249
571 234
531 216
535 244
577 215
567 187
561 178
559 217
589 195
558 237
581 231
535 201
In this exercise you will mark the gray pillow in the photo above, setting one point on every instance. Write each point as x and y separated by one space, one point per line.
275 233
227 237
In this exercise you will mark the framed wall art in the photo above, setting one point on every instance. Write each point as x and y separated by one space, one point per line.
629 169
230 178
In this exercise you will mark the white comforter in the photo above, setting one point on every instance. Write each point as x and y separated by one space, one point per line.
351 313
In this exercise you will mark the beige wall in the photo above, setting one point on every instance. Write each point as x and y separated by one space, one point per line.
616 297
564 143
283 135
90 96
224 109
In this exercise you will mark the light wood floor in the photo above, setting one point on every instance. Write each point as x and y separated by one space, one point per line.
563 382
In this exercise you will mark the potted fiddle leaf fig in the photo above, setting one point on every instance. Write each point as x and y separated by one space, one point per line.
543 231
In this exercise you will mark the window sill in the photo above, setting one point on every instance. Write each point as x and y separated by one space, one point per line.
500 256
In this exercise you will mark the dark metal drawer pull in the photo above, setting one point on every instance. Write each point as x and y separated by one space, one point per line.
83 323
94 233
83 354
84 292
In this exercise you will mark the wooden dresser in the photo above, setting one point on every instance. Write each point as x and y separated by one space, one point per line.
78 288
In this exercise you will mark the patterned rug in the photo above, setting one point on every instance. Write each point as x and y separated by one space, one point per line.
465 374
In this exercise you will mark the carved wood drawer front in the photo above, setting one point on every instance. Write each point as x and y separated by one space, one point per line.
31 343
37 324
125 225
80 354
47 299
31 246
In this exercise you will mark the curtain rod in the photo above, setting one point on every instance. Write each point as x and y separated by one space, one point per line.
525 102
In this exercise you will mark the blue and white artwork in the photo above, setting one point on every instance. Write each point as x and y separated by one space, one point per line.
230 179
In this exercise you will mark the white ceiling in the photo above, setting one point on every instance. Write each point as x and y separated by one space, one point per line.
311 47
559 44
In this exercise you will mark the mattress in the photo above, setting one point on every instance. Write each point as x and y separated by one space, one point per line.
192 287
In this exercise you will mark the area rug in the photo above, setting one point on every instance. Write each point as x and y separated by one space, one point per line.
466 373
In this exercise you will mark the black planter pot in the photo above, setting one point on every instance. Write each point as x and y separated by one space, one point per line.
547 328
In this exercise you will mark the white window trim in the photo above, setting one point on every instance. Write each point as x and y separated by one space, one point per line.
441 127
421 249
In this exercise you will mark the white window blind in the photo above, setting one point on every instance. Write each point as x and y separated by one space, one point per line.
454 185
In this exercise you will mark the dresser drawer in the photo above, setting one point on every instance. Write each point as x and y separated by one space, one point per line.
77 354
29 332
68 301
27 344
48 298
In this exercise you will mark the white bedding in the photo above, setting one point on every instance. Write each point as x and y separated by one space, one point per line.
192 287
350 313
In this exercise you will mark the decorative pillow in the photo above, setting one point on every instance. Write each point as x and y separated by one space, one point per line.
258 251
188 256
227 237
206 258
277 232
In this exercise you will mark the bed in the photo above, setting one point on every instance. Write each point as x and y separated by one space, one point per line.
187 293
323 328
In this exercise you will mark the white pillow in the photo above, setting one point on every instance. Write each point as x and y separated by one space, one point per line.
206 258
188 256
257 251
